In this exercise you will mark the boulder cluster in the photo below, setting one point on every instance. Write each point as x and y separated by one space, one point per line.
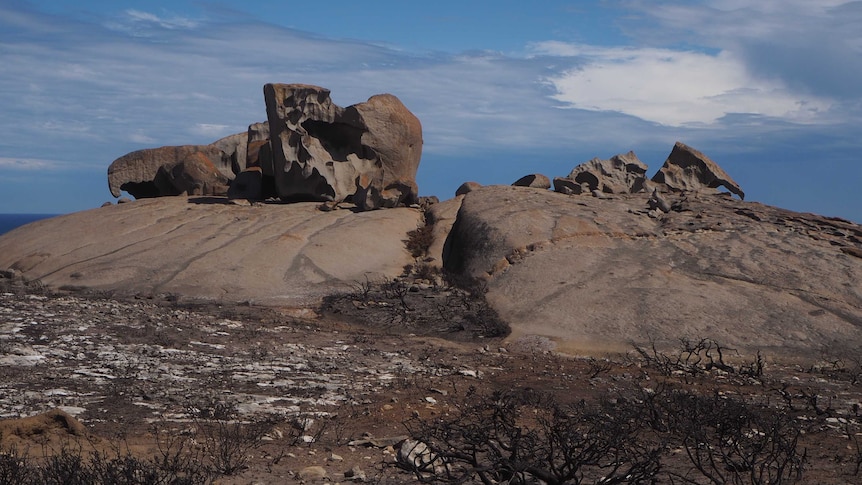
685 170
309 149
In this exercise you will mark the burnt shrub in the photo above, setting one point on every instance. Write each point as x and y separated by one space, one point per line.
521 437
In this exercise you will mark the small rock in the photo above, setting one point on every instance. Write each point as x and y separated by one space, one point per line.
123 200
312 473
355 474
334 457
535 180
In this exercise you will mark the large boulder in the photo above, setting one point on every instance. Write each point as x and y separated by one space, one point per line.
596 275
621 174
148 173
687 169
324 152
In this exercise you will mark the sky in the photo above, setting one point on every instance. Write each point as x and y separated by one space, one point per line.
769 90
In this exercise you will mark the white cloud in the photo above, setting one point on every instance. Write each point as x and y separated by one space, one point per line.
673 87
811 46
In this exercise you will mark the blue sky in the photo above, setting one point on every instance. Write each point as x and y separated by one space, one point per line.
770 89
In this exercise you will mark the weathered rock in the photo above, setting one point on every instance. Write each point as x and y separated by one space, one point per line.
248 184
193 175
143 173
322 152
242 149
312 473
209 251
234 147
441 217
687 169
535 180
355 474
467 187
657 202
568 186
621 174
427 201
594 275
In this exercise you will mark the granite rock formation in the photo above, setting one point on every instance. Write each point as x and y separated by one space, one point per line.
309 150
687 169
621 174
595 274
369 151
209 251
151 172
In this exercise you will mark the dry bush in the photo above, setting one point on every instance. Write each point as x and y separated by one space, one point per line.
227 442
519 438
419 240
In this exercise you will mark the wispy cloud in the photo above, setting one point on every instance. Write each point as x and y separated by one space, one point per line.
146 24
32 164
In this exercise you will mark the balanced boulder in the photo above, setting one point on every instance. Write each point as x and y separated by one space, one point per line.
323 152
687 169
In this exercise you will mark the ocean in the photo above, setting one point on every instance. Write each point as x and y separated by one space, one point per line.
11 221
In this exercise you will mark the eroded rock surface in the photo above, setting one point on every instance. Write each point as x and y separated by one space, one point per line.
687 169
149 172
621 174
597 274
209 249
323 152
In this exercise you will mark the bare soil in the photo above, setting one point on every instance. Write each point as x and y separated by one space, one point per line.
335 390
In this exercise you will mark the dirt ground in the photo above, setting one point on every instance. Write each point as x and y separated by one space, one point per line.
328 396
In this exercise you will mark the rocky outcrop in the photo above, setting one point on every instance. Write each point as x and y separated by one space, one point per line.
153 172
567 186
595 274
204 250
621 174
323 152
687 169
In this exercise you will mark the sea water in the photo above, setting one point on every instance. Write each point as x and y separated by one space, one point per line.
11 221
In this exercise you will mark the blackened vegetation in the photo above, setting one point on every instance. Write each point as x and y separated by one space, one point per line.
693 416
666 435
518 437
426 303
